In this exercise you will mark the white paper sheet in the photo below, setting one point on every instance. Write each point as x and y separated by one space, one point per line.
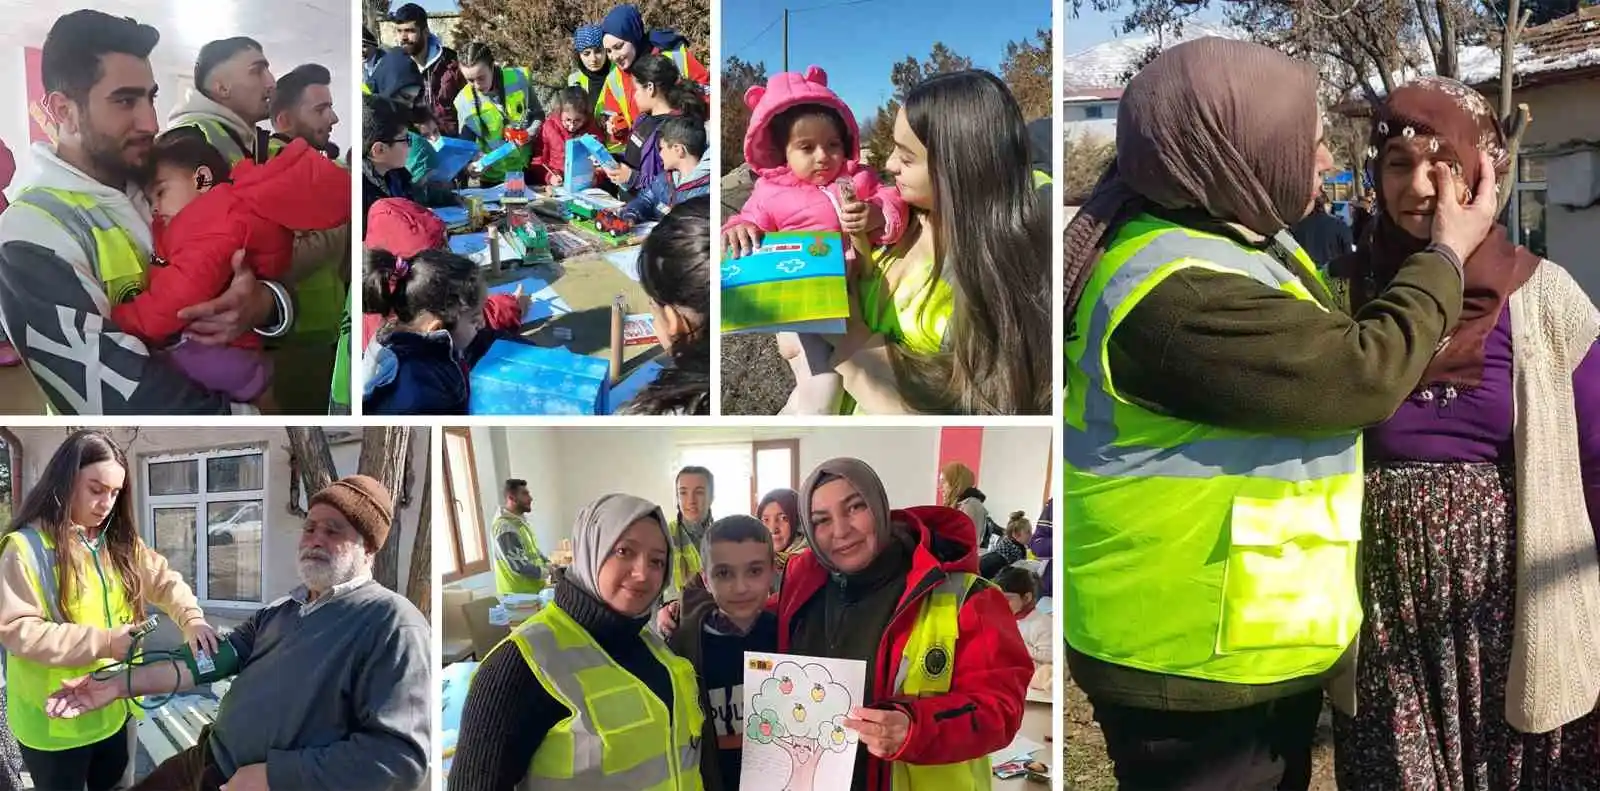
1020 749
795 707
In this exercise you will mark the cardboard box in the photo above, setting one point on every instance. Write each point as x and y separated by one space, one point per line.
582 154
516 378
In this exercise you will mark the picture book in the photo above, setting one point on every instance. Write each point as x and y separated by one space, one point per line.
793 282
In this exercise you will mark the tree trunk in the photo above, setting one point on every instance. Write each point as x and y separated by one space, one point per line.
310 463
383 456
1448 63
419 585
1513 124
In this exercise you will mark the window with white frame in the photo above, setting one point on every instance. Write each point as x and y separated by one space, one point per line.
743 472
204 513
1527 207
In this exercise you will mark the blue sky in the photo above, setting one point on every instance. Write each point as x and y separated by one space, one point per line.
431 6
1092 27
858 43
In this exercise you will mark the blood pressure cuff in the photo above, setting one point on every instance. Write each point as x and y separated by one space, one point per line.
206 668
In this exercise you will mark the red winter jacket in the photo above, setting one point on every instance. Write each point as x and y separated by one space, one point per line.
552 151
258 210
983 709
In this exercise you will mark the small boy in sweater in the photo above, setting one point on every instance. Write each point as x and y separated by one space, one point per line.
715 632
685 174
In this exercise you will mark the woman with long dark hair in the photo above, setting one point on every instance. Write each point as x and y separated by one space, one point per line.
75 582
962 301
675 272
659 92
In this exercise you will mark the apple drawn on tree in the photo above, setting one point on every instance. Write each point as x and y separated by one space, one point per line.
805 719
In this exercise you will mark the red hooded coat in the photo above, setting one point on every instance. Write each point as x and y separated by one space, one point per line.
983 709
258 211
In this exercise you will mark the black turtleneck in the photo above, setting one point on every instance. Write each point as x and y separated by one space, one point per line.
850 617
508 712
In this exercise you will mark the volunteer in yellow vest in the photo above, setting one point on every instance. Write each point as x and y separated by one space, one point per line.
947 672
493 98
76 240
593 67
1215 396
961 302
626 40
303 108
583 695
519 566
235 92
694 489
75 580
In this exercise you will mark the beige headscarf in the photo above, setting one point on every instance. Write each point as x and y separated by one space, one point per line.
1224 126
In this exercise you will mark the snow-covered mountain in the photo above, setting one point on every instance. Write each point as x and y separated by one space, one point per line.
1102 65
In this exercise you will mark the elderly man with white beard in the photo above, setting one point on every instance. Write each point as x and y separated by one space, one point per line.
330 688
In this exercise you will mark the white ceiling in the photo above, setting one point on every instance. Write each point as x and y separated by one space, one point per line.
292 32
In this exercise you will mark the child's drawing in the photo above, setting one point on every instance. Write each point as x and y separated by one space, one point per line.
797 707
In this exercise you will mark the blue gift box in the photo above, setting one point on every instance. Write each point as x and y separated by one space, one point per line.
451 155
580 166
516 378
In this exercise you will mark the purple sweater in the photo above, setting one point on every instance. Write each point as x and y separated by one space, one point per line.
1476 426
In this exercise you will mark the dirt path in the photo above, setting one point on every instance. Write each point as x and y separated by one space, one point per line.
1086 768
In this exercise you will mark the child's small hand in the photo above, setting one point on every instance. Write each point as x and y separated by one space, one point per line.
555 179
741 240
619 174
855 216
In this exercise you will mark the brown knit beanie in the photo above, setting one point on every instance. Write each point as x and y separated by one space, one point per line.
363 501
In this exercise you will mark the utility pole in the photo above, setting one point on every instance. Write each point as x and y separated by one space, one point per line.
785 39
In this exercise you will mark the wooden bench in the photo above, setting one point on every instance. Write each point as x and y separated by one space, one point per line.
176 726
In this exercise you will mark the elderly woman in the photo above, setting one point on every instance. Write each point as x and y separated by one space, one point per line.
582 694
1478 665
1215 399
881 586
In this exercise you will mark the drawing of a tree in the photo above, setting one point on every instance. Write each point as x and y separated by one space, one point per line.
801 710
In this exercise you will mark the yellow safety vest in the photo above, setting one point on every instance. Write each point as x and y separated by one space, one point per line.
97 600
1197 551
506 579
487 118
224 139
686 562
619 734
923 674
578 79
115 258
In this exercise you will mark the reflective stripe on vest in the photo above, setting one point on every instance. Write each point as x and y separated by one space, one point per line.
927 666
488 118
97 600
686 561
620 736
115 258
506 578
1199 551
617 87
220 138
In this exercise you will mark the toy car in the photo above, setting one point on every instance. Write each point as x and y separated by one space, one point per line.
612 223
516 133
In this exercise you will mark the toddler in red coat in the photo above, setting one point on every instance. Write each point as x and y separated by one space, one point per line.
206 211
573 118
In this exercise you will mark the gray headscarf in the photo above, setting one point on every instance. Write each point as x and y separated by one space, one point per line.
865 480
596 530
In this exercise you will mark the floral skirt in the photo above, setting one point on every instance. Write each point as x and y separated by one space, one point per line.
1439 590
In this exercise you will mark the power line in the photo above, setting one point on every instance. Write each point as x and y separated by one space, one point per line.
764 31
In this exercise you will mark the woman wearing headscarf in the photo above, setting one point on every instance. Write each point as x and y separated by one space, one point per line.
899 590
1215 397
581 694
1479 660
592 65
958 489
626 39
779 510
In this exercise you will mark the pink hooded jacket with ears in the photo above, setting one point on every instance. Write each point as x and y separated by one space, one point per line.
783 202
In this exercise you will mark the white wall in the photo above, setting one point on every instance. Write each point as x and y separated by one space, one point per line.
292 32
568 467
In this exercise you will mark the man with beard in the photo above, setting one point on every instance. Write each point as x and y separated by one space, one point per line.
232 93
302 107
441 76
77 239
519 566
330 688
